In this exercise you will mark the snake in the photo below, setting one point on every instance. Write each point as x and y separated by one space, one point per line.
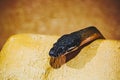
69 45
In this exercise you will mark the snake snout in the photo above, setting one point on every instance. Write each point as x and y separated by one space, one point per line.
57 51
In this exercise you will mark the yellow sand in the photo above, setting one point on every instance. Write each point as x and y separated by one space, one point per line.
25 57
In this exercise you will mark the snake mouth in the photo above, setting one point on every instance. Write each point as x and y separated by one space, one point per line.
70 50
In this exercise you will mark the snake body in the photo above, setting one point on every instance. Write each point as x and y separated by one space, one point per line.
69 43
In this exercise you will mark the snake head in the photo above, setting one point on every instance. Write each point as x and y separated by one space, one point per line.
64 44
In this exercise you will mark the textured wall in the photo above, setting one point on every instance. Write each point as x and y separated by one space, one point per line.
56 17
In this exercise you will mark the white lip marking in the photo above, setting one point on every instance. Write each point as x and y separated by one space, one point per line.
71 50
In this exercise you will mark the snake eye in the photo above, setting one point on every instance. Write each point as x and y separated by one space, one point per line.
61 50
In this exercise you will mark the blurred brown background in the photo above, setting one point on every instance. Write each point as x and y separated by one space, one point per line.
57 17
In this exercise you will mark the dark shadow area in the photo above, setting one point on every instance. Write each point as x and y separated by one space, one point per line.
80 58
